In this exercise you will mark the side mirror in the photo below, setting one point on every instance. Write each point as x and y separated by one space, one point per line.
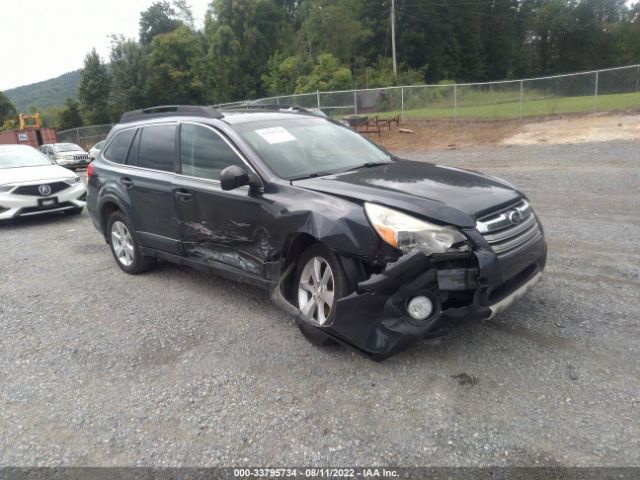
232 177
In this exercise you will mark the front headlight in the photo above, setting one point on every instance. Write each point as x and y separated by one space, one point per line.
407 233
73 181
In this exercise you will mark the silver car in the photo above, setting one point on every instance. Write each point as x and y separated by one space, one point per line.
68 155
95 150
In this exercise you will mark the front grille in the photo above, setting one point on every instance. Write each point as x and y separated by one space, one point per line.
510 230
33 190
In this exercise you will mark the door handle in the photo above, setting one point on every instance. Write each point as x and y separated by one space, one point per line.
127 182
184 195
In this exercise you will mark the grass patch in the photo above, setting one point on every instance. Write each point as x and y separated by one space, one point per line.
489 110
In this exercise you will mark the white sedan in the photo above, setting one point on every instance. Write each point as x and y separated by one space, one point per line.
30 184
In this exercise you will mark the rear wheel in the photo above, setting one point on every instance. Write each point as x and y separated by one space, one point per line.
124 246
320 283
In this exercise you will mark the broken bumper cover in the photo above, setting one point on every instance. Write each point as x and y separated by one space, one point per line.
374 319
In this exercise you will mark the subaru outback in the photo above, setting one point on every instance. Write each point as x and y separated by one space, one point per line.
361 247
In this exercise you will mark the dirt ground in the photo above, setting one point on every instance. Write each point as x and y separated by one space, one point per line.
447 134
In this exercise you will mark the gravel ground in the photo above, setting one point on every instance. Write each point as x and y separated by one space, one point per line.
180 368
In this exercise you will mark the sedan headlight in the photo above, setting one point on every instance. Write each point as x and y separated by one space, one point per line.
73 180
407 233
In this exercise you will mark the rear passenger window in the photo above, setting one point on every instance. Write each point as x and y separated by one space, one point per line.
117 150
203 153
157 147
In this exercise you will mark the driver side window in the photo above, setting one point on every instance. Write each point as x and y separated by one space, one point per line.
204 153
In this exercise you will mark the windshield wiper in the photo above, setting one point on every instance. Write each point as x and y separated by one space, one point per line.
312 175
322 174
365 165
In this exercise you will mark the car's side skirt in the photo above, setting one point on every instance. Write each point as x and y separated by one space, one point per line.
226 271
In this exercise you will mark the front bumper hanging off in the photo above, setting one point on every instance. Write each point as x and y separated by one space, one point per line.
475 285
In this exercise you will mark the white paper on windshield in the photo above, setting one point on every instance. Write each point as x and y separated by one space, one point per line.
275 135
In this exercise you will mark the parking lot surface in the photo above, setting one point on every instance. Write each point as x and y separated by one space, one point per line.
180 368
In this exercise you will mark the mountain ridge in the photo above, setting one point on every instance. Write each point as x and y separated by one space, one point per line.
45 94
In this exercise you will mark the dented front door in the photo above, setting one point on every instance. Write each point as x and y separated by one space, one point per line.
216 225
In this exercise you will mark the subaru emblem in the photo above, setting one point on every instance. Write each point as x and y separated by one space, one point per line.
515 217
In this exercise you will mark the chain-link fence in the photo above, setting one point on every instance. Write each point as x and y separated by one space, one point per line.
602 90
86 137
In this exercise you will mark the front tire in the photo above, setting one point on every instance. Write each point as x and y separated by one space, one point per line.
124 246
319 283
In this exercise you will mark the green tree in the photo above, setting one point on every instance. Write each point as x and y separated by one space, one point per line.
499 38
334 26
163 17
69 116
241 37
7 110
94 88
327 74
381 74
128 63
284 71
173 66
628 37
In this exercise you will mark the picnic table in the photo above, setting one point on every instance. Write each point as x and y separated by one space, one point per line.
373 125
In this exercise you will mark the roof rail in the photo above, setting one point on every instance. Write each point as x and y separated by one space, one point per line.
170 110
275 107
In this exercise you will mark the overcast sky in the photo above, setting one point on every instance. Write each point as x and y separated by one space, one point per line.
41 39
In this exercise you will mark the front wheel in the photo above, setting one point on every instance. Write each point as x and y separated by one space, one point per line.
320 283
124 246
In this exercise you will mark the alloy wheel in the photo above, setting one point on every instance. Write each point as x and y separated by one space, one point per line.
316 291
122 243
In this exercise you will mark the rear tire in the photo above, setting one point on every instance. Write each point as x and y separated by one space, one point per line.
124 246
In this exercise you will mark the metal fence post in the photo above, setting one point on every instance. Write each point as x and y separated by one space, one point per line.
355 102
595 103
318 97
78 135
455 102
521 97
402 102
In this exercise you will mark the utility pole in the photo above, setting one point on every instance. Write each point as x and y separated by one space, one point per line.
393 37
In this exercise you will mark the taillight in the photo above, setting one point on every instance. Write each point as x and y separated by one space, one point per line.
90 169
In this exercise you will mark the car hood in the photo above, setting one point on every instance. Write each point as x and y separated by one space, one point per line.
446 194
34 174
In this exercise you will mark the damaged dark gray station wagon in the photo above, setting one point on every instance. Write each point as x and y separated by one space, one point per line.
361 247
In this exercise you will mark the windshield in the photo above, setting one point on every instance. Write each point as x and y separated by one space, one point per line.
66 147
99 145
303 147
21 156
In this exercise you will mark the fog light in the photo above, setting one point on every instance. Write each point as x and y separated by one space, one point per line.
420 307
